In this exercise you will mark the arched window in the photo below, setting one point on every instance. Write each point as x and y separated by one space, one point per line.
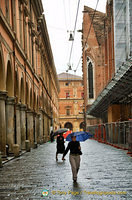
90 78
68 125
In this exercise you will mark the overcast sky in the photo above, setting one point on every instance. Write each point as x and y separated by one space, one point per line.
60 18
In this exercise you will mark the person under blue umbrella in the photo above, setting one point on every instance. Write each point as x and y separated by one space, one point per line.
74 157
75 150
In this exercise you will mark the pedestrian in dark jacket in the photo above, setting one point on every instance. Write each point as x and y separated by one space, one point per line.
52 136
74 157
60 145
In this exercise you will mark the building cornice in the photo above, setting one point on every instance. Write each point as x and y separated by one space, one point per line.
45 37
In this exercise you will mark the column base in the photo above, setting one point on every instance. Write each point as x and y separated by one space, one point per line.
27 145
16 150
35 145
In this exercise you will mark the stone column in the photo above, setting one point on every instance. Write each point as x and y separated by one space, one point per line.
2 124
37 129
45 128
23 125
41 127
48 128
10 101
30 135
18 125
36 126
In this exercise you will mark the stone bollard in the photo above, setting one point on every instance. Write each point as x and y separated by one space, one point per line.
16 150
35 145
44 139
27 145
0 160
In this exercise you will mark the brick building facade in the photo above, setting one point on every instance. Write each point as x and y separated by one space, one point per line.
29 84
107 61
93 58
71 102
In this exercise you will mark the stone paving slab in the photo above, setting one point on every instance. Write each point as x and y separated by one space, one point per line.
105 174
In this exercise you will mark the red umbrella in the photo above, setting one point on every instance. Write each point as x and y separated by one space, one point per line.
66 134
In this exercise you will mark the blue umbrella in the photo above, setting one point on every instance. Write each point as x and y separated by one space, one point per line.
80 136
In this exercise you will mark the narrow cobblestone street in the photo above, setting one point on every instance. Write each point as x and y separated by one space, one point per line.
103 169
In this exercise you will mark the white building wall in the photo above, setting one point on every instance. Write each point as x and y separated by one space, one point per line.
122 31
130 11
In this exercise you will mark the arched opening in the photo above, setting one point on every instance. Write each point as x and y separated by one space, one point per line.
22 97
68 125
9 80
16 85
31 99
2 79
41 100
82 125
27 95
90 78
35 105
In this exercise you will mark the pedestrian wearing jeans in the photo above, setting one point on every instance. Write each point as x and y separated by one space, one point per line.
74 157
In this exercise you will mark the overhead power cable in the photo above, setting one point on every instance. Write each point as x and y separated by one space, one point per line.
88 33
74 30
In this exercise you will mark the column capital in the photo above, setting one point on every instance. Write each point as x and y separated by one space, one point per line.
10 100
41 110
37 115
29 111
23 107
3 95
18 106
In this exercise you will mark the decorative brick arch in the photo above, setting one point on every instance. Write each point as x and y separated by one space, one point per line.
27 94
68 125
22 90
2 71
9 78
31 98
90 75
82 125
35 101
17 86
41 100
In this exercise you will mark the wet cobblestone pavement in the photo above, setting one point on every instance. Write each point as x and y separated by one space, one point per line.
104 172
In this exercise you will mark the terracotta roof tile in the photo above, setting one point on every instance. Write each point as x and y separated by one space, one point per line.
67 76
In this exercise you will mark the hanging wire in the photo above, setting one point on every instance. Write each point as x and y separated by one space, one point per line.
88 33
74 30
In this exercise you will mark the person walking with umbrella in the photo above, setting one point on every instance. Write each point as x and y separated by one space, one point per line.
60 145
75 150
74 157
60 141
